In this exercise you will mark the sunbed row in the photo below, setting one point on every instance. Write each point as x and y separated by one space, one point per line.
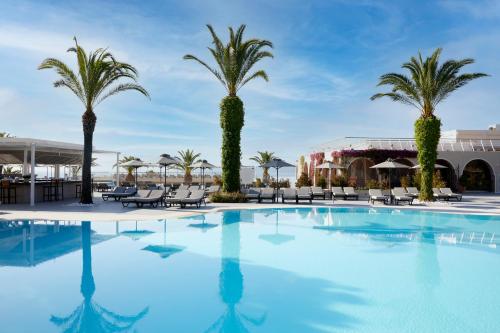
156 197
408 194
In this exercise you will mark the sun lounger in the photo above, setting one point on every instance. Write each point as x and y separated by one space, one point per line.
447 191
338 193
412 192
212 189
141 194
179 195
267 194
183 187
197 197
192 188
154 198
318 192
350 193
289 194
304 193
118 189
438 195
253 193
129 192
400 195
376 195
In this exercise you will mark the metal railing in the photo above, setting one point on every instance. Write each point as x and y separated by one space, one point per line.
364 143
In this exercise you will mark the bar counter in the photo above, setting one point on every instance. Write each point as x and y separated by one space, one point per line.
45 190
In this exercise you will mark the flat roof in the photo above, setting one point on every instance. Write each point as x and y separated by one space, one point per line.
46 151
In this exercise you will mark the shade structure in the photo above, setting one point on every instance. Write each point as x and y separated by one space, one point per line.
329 166
390 164
436 166
136 164
165 161
202 165
277 163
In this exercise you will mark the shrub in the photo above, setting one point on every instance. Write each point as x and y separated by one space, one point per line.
405 181
303 180
321 182
437 180
372 183
352 182
228 197
383 184
258 182
217 180
339 181
281 183
427 134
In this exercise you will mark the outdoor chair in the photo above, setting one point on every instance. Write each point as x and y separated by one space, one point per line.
412 192
176 199
212 189
197 197
154 198
289 194
451 195
253 193
338 193
350 193
304 193
129 192
141 194
400 195
267 193
375 194
107 195
438 195
317 192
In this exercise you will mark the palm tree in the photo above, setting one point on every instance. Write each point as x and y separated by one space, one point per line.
5 135
130 170
187 159
261 158
99 77
427 86
234 61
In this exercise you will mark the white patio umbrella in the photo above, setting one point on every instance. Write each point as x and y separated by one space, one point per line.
329 166
390 164
165 161
136 164
277 163
202 165
436 166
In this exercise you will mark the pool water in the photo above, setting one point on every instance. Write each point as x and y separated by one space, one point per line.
267 270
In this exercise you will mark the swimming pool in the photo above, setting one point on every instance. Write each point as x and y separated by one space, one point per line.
266 270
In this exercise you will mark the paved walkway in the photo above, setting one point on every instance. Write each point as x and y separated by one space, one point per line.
113 211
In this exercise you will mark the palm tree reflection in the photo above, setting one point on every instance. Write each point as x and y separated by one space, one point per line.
90 316
231 279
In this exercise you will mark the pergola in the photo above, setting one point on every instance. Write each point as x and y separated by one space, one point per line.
32 152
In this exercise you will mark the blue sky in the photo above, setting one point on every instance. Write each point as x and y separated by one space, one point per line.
328 56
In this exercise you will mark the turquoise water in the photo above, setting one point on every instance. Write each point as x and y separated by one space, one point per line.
269 270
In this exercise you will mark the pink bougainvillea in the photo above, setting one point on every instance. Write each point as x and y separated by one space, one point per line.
376 154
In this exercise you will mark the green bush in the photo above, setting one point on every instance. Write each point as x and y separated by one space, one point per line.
437 180
303 180
232 117
228 197
258 182
405 181
415 180
217 180
339 180
282 183
352 182
427 134
372 183
321 182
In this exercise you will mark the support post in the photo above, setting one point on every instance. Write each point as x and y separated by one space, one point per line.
117 169
32 185
25 162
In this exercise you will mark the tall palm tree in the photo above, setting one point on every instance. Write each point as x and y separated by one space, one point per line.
99 76
428 84
187 159
261 158
235 61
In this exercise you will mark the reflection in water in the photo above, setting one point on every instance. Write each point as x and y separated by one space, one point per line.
276 238
427 270
90 316
231 279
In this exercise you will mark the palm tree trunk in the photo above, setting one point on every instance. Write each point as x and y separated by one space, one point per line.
231 121
427 134
88 120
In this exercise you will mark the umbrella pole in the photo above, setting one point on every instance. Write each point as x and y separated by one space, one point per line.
165 177
136 177
277 184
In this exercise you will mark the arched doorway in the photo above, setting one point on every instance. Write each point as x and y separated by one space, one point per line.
359 170
478 176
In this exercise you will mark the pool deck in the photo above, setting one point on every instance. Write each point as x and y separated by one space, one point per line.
113 211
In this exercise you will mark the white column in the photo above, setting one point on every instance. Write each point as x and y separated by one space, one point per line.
32 185
57 171
117 169
25 162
